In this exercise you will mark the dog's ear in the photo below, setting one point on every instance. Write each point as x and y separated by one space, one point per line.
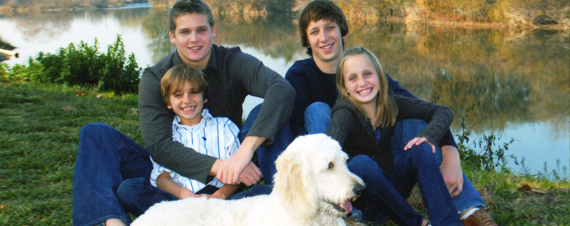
294 184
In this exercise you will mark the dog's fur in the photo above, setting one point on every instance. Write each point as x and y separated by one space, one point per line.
312 187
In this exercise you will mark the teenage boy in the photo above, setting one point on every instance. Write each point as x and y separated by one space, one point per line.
107 157
322 27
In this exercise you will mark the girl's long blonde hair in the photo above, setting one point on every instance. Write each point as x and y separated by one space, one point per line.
386 109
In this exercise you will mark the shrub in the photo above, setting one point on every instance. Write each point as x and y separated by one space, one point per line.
115 75
83 65
25 73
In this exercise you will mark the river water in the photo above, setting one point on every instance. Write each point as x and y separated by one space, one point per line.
514 85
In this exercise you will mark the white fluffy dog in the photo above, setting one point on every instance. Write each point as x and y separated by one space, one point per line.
312 187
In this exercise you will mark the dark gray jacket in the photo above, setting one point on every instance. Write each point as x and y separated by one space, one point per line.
355 134
232 75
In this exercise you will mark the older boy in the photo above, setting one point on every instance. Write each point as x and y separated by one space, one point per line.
107 157
323 26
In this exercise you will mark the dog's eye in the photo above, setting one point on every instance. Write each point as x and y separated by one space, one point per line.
331 165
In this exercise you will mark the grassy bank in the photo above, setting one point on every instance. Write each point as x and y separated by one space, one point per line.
38 145
39 140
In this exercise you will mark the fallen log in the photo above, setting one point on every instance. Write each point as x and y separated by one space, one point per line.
9 53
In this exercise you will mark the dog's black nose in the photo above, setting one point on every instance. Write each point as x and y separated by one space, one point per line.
358 188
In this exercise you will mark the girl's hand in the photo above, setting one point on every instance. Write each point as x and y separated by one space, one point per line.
418 141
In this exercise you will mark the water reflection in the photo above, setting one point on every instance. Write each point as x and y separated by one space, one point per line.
500 81
509 77
275 35
155 24
42 26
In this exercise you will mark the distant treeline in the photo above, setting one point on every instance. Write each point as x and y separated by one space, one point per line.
497 13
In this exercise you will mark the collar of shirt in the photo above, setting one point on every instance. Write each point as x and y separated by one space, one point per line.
205 117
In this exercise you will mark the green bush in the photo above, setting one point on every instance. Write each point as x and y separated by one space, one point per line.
83 65
25 73
114 74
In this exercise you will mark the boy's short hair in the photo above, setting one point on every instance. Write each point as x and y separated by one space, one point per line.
317 10
183 7
177 76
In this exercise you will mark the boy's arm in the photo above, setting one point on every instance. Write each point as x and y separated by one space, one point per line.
165 183
396 88
225 191
279 96
451 170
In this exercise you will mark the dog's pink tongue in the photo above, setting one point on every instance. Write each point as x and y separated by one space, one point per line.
347 206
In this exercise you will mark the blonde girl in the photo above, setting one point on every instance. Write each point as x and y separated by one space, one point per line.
389 153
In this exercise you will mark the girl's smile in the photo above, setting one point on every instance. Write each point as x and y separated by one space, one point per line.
361 80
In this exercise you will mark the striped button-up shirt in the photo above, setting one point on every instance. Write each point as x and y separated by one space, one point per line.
217 137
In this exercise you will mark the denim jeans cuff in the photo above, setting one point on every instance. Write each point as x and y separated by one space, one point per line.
480 206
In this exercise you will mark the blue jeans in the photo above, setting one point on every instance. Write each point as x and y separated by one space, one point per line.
469 196
106 158
386 192
317 118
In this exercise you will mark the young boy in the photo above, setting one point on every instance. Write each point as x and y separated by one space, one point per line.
184 91
322 27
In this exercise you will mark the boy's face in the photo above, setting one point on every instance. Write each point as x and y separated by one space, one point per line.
188 104
193 38
325 40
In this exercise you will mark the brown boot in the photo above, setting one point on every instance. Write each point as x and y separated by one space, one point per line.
479 218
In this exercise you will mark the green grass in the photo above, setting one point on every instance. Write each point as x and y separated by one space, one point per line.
39 129
38 145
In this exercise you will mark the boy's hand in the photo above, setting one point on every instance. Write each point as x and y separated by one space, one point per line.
250 175
239 167
230 169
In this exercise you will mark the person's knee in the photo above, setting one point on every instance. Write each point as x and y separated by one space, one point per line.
317 117
318 105
92 129
127 191
422 153
318 108
360 164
